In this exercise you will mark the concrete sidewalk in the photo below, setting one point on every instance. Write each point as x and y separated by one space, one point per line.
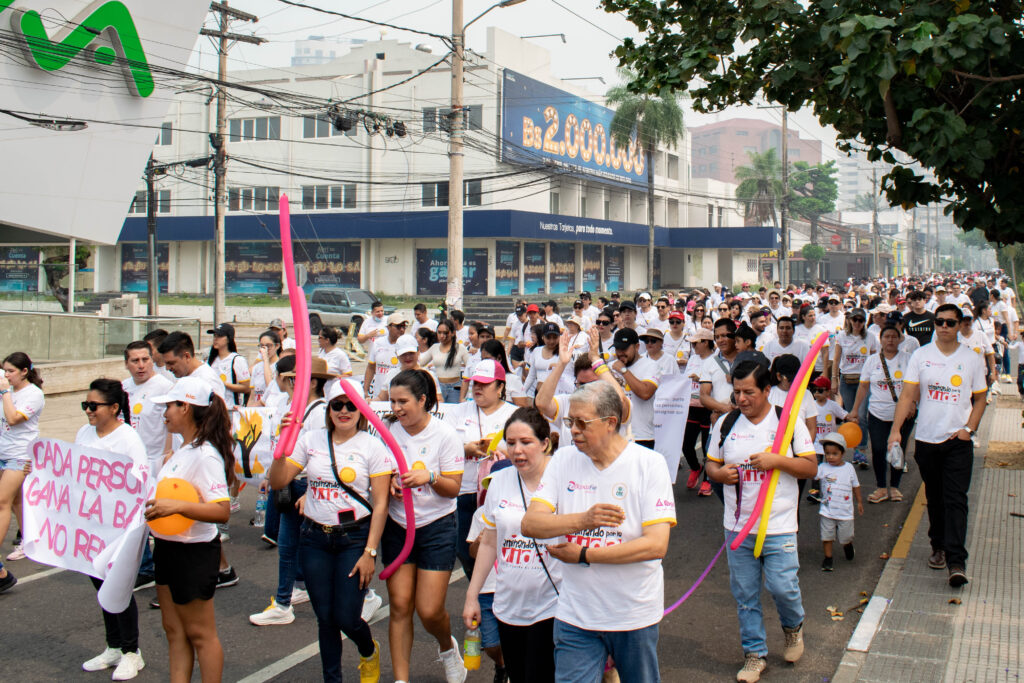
913 629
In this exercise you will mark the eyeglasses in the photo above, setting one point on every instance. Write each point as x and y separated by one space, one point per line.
579 422
93 406
662 307
603 323
723 309
337 405
857 319
946 322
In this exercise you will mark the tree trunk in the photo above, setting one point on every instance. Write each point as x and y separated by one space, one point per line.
650 215
54 274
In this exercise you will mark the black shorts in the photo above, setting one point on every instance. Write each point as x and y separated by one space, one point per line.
433 549
188 569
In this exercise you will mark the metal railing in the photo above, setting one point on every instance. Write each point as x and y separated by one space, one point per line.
46 336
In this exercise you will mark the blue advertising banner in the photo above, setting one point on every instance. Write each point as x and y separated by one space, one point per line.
614 258
533 267
542 124
432 271
592 267
19 269
135 267
329 264
563 267
506 268
252 268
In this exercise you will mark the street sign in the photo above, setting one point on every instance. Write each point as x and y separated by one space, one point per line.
836 240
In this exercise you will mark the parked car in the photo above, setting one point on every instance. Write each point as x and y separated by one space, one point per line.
339 307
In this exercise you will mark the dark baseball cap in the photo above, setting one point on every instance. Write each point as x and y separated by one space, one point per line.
627 305
755 356
520 310
223 330
625 338
550 328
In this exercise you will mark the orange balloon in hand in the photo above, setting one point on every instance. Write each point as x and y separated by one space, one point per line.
175 489
851 432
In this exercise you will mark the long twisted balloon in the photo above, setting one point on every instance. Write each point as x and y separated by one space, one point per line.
790 414
303 343
396 450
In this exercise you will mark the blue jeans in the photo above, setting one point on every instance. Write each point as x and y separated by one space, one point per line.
337 598
580 655
272 520
450 392
778 566
849 394
288 547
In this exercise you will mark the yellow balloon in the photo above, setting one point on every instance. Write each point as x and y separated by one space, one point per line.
174 489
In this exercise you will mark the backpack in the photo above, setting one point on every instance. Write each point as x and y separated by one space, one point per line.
730 421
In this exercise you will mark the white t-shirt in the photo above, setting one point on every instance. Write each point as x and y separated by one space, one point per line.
666 366
880 403
987 328
15 439
260 389
358 460
123 440
288 343
610 597
711 372
526 596
854 350
437 448
375 329
808 335
745 439
562 402
645 370
678 349
827 420
384 359
415 325
208 375
947 384
337 363
540 369
472 425
476 527
837 485
976 342
147 417
834 325
799 348
222 367
694 366
808 408
909 344
203 467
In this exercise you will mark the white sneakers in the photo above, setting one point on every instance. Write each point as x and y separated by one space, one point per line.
454 670
273 615
128 665
371 603
299 596
17 554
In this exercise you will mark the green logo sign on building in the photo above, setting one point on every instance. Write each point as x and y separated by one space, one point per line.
99 19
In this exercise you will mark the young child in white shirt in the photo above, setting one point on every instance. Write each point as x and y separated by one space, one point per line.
839 489
830 414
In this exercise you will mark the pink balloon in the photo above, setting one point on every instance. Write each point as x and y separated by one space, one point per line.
396 450
303 343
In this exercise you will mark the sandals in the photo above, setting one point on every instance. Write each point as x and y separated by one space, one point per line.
895 496
879 496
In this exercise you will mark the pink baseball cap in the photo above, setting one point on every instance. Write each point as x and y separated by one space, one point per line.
488 371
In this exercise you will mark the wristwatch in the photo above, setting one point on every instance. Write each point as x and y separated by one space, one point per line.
970 431
372 551
583 557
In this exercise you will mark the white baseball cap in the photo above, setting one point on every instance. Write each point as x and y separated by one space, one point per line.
338 391
406 344
188 389
835 438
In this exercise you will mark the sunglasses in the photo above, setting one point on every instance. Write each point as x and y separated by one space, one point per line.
723 309
675 322
93 406
857 319
604 323
662 307
818 390
337 405
946 322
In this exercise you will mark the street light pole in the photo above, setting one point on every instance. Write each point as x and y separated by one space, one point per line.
784 208
152 306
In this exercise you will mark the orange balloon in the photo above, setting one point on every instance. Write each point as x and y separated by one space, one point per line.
175 489
851 432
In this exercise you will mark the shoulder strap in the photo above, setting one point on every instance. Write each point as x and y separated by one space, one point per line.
727 424
348 489
888 378
540 556
311 407
724 364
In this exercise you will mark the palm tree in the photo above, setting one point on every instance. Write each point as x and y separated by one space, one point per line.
760 187
655 120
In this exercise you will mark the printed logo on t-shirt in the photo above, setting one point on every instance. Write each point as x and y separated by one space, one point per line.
619 491
583 488
956 380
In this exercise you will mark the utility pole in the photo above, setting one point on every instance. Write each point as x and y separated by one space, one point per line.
784 209
874 223
152 306
217 141
453 295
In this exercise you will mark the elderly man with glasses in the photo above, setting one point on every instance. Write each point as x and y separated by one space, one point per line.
611 501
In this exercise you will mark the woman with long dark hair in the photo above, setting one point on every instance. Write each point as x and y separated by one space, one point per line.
103 404
447 358
343 519
434 453
229 365
264 372
21 397
187 563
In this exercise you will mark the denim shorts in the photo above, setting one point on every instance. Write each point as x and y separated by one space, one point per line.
433 549
489 623
16 465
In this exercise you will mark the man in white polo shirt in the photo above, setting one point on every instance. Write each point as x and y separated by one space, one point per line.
947 382
612 502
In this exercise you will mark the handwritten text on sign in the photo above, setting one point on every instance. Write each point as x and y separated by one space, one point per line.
79 500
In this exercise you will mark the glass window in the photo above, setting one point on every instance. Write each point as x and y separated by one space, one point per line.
235 130
553 203
163 203
308 127
359 297
429 197
232 199
335 198
442 194
308 197
475 117
473 195
349 201
261 128
166 135
323 127
429 119
248 129
711 216
322 196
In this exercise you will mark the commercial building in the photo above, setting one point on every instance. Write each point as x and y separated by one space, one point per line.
720 148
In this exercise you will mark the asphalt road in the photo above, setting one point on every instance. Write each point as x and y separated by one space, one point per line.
52 623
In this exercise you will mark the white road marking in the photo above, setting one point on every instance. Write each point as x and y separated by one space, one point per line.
39 575
313 649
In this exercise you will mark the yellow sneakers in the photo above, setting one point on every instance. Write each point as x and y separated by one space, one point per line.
369 667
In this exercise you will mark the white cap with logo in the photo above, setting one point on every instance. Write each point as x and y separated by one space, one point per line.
188 389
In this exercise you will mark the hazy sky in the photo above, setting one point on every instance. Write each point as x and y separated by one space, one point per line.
590 38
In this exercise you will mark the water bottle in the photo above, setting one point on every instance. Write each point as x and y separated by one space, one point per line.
471 647
261 510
